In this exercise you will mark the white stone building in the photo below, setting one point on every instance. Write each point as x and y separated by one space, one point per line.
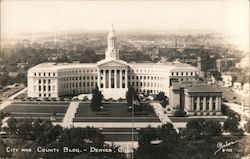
227 79
198 98
111 75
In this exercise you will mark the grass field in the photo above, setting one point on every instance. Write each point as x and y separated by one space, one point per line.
112 112
34 110
22 107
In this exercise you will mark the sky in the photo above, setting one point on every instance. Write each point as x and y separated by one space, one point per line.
224 16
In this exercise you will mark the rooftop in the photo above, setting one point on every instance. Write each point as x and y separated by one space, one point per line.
56 66
195 87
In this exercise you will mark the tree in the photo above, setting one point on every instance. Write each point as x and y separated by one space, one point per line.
161 96
217 75
231 124
247 126
96 101
12 125
129 95
198 129
157 143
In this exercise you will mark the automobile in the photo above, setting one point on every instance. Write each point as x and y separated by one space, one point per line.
46 99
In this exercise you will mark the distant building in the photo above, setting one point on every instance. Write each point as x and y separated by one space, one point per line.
246 88
225 63
237 85
199 98
227 79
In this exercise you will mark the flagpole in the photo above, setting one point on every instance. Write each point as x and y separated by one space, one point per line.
132 126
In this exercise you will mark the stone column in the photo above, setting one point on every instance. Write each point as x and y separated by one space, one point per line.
192 103
126 78
210 103
204 103
216 103
104 79
99 79
109 78
219 104
115 78
198 103
120 78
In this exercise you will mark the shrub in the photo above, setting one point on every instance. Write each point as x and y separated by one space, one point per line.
180 113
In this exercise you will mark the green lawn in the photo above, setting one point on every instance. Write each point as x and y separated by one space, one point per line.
112 112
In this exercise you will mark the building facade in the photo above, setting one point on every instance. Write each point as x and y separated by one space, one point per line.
199 98
112 75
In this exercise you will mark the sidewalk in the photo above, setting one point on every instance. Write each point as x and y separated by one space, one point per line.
11 98
70 114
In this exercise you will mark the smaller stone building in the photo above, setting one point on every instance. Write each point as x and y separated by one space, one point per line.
197 98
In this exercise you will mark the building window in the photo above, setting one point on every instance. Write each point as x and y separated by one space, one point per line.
34 74
39 88
44 81
39 81
44 88
44 74
40 95
49 88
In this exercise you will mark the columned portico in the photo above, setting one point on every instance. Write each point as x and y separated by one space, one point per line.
113 82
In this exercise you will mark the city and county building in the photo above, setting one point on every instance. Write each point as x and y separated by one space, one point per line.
112 75
196 98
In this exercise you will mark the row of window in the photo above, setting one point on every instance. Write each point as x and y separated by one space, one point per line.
79 78
44 88
183 73
80 84
78 71
45 74
44 81
44 95
145 84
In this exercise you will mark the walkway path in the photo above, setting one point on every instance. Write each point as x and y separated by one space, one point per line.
11 98
159 111
70 114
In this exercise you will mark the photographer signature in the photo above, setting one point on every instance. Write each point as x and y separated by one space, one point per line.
221 146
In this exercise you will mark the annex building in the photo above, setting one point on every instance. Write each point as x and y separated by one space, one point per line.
111 75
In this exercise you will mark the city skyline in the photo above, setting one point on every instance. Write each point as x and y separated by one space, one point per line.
226 17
